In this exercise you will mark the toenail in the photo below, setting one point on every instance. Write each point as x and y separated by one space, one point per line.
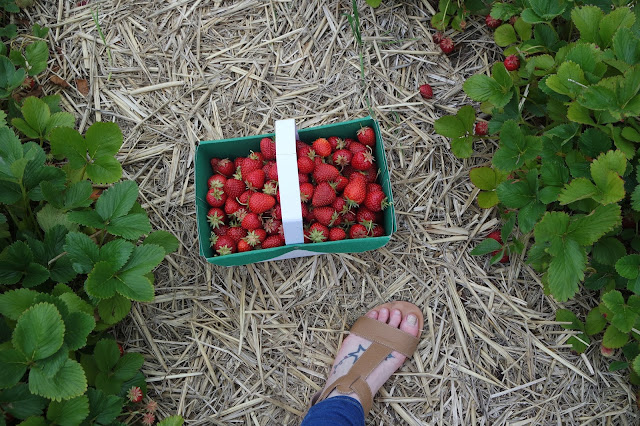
412 319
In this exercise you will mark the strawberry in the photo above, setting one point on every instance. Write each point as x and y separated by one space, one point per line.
237 162
255 237
481 128
276 212
340 205
135 394
377 230
370 175
260 202
257 156
349 218
273 226
426 91
492 22
374 187
306 213
318 160
231 206
606 352
355 147
437 37
216 217
376 201
512 63
446 45
216 197
271 170
342 157
365 217
325 173
216 181
240 214
323 195
356 190
358 231
340 183
337 234
306 165
270 187
251 221
224 167
247 165
222 230
336 143
318 233
254 179
244 246
273 241
303 178
224 245
234 188
362 160
322 147
306 191
348 142
366 136
495 235
236 233
305 151
244 197
121 349
268 148
326 216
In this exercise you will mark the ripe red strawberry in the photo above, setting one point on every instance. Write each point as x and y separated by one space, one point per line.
337 234
492 22
370 175
260 202
512 63
358 231
376 201
216 197
322 147
366 136
318 233
355 147
365 217
273 226
224 245
240 214
303 177
276 212
373 187
446 45
348 142
224 167
327 216
342 157
270 187
340 205
216 217
222 230
306 213
340 183
244 197
244 246
495 235
236 233
135 394
481 128
356 190
306 165
251 221
426 91
437 37
268 148
362 160
325 173
305 150
271 170
377 230
349 218
234 188
216 181
255 179
336 143
247 165
306 191
213 162
237 162
323 195
257 156
273 241
318 160
255 237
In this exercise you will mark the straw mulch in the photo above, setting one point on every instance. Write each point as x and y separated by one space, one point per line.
250 345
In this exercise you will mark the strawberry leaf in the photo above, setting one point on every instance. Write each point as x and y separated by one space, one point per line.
566 268
78 325
10 78
629 266
172 421
106 354
67 383
462 147
164 239
487 199
127 366
515 147
20 403
485 178
587 20
595 322
482 88
614 338
131 227
566 316
579 343
626 46
82 251
70 411
621 17
635 198
486 246
467 116
117 252
606 171
588 229
118 200
547 10
104 409
505 35
39 332
13 365
607 251
568 81
14 302
113 310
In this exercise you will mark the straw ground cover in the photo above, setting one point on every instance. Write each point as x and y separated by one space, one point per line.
250 345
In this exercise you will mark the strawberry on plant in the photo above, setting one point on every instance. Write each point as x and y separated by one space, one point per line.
366 136
492 22
481 128
323 195
151 406
216 217
358 231
260 202
426 91
376 201
322 147
495 235
606 352
446 45
512 63
216 197
148 419
437 37
362 160
337 234
121 349
135 394
273 241
268 148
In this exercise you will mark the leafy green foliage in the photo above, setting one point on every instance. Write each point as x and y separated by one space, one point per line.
566 169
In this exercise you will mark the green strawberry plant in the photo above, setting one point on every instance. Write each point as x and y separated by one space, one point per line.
73 257
566 173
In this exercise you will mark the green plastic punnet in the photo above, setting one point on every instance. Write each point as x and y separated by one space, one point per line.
240 147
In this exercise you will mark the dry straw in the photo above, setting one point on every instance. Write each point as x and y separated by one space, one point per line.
250 345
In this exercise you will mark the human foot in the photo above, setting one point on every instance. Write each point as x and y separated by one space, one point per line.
392 317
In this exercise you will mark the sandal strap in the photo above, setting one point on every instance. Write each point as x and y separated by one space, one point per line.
391 337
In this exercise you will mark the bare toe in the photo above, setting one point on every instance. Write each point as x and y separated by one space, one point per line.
383 315
410 325
372 314
395 318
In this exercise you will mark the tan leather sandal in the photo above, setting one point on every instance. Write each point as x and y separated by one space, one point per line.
385 339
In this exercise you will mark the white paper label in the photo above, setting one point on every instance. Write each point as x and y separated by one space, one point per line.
288 181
